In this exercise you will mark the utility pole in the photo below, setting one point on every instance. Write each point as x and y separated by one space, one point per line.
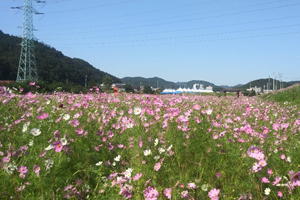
85 81
27 69
273 80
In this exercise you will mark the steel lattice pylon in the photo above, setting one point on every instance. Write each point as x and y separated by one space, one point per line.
27 69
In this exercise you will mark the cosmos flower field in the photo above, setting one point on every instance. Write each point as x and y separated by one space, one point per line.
137 146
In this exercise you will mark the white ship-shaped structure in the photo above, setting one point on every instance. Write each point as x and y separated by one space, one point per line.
195 89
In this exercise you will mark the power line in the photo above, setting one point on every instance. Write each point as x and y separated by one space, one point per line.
93 7
196 19
184 42
180 30
189 36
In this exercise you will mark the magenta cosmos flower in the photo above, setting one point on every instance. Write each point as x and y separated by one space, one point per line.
151 193
137 176
23 169
42 116
36 170
295 179
57 146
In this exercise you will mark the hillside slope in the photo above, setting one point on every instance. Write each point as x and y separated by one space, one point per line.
52 65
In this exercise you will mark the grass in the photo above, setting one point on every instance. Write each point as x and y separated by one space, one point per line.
290 95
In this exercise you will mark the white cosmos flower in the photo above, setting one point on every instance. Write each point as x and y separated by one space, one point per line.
156 142
267 191
99 163
156 157
25 127
161 150
209 111
31 143
204 187
170 147
63 141
129 125
147 152
66 117
137 110
49 147
117 158
35 132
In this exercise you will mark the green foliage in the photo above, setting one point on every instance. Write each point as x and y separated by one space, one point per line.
147 90
289 95
107 81
128 88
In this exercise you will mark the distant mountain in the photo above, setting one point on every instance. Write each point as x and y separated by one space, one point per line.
161 83
152 82
268 83
52 65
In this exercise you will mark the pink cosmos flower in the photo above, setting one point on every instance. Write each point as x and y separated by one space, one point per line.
259 156
295 179
141 143
36 170
248 108
213 193
185 194
282 156
196 107
248 130
23 171
137 176
168 193
110 134
42 116
265 130
280 194
276 126
79 131
32 83
262 163
157 166
277 180
191 186
215 136
57 146
265 180
270 171
150 193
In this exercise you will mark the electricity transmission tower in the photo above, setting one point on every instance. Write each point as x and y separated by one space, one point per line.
27 69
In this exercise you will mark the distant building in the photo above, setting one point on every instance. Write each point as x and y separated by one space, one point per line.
255 89
208 88
120 86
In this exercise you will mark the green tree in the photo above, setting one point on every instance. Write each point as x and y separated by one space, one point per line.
107 81
128 88
147 90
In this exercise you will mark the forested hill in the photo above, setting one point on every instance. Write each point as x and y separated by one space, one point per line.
52 65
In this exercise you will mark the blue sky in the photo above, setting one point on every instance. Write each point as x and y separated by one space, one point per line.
226 42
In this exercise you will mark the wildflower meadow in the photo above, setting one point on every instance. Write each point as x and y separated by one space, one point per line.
138 146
